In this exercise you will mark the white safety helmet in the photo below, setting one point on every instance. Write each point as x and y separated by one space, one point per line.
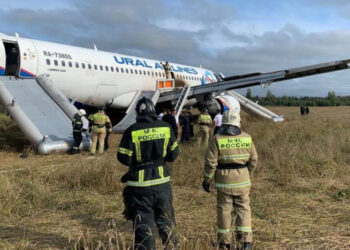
231 117
81 112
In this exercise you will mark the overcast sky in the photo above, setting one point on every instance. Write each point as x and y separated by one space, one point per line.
232 37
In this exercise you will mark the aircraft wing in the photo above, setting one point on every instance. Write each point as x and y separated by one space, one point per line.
228 83
264 79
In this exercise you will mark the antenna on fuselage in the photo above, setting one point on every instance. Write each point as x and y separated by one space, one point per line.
16 34
95 47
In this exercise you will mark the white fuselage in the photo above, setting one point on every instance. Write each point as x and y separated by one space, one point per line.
90 76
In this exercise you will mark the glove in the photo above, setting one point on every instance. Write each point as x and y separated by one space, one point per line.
206 186
125 178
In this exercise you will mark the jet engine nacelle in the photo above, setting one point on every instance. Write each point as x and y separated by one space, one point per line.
222 103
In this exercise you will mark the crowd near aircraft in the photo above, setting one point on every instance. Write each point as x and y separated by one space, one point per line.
94 78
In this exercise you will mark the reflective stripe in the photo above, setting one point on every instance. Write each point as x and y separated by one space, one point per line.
149 183
77 122
208 175
244 229
161 172
75 147
76 130
138 151
234 157
233 185
173 146
150 134
223 231
165 146
235 142
141 175
125 151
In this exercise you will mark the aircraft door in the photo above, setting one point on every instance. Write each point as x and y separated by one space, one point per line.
28 59
2 59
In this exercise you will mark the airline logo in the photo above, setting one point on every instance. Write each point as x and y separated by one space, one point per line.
208 78
2 71
143 63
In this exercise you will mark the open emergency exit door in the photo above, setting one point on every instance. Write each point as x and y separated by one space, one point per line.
2 59
28 59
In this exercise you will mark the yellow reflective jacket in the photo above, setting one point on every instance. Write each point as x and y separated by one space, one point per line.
99 122
205 120
229 160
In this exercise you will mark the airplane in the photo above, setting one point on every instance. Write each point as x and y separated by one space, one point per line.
94 78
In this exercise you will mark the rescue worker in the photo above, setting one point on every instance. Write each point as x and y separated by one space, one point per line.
205 122
145 148
167 70
78 128
99 124
231 158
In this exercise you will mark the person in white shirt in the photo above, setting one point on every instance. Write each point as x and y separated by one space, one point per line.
217 121
160 116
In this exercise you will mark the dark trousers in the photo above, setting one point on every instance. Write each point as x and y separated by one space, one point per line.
216 129
148 210
186 133
191 130
77 137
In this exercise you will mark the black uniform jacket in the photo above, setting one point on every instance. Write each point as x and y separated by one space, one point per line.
145 147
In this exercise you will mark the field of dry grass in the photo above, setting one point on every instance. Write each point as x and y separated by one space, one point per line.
300 194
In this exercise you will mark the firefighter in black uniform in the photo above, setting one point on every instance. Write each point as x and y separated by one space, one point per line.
78 128
146 146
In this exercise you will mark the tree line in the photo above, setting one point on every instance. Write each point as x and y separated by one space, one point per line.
271 100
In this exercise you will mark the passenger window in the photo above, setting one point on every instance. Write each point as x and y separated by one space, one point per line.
152 73
70 64
140 72
144 72
106 67
83 65
77 65
131 71
116 69
122 70
56 62
89 66
63 63
48 62
112 69
126 71
95 67
101 67
135 71
148 73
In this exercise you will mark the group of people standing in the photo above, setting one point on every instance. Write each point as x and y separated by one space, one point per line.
304 110
147 146
100 127
187 121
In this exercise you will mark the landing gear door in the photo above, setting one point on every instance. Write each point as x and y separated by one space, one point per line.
28 59
2 59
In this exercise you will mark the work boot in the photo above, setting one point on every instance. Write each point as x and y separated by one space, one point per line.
247 246
224 246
